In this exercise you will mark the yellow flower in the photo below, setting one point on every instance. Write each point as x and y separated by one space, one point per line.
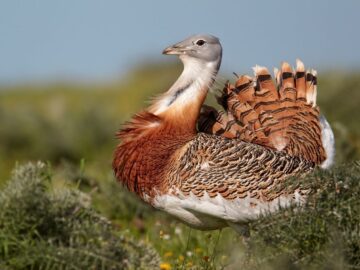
181 258
168 254
165 266
189 264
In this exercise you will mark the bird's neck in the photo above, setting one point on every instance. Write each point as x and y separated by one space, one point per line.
151 138
180 105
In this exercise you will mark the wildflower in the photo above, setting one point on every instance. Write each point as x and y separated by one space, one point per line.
165 266
168 254
166 236
224 258
158 223
189 253
206 258
178 231
189 264
181 258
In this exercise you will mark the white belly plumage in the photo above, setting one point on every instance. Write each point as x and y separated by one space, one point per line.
207 213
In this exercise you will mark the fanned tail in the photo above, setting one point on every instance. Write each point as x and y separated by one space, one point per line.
282 115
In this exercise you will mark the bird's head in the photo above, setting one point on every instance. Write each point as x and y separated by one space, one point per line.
202 47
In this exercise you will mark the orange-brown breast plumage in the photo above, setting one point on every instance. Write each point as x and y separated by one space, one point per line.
148 144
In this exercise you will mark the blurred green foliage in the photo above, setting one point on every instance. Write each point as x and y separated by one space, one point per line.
68 122
57 229
73 126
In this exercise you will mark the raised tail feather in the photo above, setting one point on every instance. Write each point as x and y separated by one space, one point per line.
281 115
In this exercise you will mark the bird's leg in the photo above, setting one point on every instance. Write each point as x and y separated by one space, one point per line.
244 231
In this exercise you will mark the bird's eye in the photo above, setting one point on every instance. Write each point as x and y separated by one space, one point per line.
200 42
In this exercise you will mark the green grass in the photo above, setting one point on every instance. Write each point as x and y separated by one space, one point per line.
73 125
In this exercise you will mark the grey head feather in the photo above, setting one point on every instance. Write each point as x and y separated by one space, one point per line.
201 46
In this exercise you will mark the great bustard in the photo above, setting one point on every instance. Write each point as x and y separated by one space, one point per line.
215 169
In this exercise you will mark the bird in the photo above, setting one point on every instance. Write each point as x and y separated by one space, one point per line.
224 168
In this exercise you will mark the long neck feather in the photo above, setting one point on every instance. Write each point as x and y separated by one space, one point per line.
181 104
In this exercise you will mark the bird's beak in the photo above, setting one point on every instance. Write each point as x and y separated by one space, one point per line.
172 50
175 49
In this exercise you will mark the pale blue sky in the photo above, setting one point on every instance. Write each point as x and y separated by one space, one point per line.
97 40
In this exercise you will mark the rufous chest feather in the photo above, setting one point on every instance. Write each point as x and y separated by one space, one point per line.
142 164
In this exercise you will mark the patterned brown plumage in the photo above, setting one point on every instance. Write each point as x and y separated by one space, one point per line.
282 117
232 168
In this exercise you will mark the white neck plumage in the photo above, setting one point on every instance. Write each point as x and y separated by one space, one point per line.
191 87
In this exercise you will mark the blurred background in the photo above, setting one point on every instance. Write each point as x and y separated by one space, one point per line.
71 72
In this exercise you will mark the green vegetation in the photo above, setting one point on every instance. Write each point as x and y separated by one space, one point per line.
75 216
57 229
325 233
